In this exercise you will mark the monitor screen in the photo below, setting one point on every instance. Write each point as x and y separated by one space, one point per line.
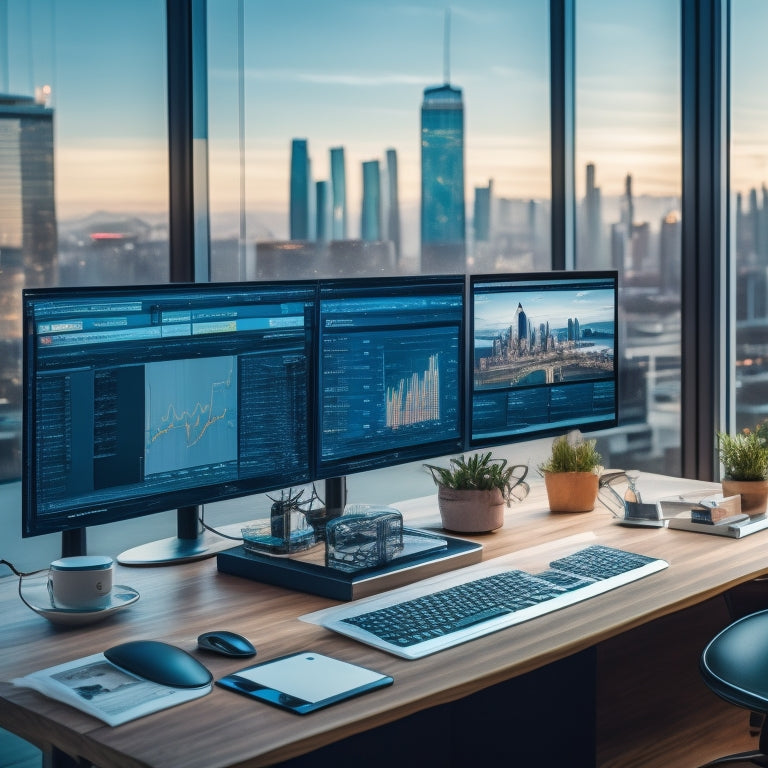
544 354
139 400
390 372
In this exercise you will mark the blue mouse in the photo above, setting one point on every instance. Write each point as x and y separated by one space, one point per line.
225 642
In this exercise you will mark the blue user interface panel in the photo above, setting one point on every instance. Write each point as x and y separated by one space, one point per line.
145 399
544 354
390 372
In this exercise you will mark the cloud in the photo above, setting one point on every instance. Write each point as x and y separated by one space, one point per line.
349 79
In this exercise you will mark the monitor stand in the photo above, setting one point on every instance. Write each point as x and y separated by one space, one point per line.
73 543
193 544
189 544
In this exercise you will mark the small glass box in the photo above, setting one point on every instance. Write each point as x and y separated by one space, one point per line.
279 534
363 537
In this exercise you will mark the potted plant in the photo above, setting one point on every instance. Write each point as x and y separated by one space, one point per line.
572 473
744 457
472 492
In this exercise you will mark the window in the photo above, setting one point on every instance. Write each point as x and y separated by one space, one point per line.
749 209
83 162
628 184
361 138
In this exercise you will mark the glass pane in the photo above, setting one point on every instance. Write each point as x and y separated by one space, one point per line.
83 161
749 207
628 177
362 138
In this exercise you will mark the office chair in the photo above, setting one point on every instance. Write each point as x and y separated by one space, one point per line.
735 666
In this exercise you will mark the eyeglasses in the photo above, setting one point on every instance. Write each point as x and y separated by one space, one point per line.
609 497
519 489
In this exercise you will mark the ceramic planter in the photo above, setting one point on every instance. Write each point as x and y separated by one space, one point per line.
571 491
470 511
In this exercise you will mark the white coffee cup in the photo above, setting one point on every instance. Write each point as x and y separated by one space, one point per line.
82 582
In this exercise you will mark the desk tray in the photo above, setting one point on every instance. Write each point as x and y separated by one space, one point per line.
341 585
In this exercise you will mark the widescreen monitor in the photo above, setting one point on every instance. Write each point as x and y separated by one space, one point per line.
544 355
140 400
391 372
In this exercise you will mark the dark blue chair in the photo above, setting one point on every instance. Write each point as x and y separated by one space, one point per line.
735 666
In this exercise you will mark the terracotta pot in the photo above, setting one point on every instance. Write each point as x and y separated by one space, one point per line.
571 491
754 495
470 511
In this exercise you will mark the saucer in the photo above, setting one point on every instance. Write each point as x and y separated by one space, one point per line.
34 593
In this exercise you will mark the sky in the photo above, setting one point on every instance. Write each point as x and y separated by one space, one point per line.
352 73
495 311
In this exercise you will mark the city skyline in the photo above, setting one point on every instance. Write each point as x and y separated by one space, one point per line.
627 121
494 312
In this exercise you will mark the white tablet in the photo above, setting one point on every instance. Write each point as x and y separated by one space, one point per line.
303 682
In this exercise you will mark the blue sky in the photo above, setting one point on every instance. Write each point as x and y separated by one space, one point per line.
496 311
352 73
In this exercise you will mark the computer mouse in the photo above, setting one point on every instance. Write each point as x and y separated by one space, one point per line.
160 662
225 642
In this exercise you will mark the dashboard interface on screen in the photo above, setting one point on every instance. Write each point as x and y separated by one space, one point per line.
390 372
141 400
544 354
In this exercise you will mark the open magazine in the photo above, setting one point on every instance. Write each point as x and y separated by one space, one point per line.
96 686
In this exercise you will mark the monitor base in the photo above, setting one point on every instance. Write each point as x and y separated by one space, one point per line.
175 550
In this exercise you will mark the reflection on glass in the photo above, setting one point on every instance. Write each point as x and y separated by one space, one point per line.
628 171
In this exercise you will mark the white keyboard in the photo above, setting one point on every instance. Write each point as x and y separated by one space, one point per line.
438 613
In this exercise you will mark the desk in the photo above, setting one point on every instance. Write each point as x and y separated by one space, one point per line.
222 729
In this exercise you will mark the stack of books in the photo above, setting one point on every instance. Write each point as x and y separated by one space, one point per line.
718 515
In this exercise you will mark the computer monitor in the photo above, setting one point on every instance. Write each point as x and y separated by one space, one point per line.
544 354
144 399
390 374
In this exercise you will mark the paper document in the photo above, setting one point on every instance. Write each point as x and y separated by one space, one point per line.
96 686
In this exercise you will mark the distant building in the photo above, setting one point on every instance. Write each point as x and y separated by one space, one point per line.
28 239
323 225
299 193
670 253
370 228
443 229
482 213
591 254
393 203
339 194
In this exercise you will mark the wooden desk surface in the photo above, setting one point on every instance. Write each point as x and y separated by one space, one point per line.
177 603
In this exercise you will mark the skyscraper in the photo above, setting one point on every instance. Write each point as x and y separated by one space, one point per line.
339 195
370 228
482 214
443 230
300 187
393 201
592 243
28 238
323 211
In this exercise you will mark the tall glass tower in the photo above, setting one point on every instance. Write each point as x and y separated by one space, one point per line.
443 229
28 240
339 195
300 187
393 201
371 223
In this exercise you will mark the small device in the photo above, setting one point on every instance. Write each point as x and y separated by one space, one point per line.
226 643
303 682
160 662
